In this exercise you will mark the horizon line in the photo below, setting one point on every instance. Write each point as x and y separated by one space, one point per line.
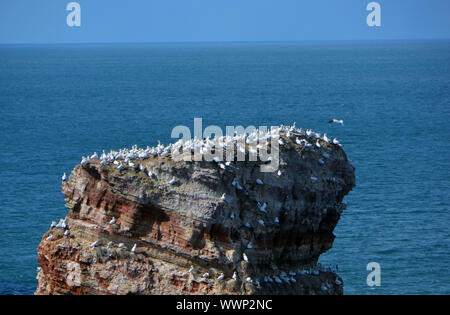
220 41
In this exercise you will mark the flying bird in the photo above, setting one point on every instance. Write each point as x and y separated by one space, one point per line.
336 121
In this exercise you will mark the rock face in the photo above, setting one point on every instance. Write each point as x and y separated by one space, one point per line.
264 236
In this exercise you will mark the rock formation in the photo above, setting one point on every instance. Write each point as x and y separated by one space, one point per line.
212 230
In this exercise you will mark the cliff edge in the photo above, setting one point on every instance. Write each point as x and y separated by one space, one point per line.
141 222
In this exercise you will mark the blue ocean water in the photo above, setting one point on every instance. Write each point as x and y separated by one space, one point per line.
59 102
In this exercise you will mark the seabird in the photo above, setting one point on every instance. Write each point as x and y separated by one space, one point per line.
249 246
133 250
223 197
66 233
95 244
249 280
262 207
49 238
261 222
259 182
245 257
121 245
234 275
337 121
313 178
338 282
64 177
279 173
173 181
191 270
113 220
109 244
220 277
206 275
276 220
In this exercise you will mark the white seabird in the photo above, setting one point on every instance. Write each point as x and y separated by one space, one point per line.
173 181
133 250
113 220
95 243
261 222
337 121
244 256
259 182
206 275
121 245
64 177
223 197
234 275
276 220
279 173
249 280
191 270
220 277
66 233
49 238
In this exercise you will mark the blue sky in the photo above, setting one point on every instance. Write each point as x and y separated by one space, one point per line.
44 21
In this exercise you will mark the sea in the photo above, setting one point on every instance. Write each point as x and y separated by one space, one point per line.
60 102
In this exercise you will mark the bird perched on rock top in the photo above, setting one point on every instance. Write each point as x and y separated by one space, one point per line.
173 181
223 197
64 177
113 220
133 250
66 233
220 277
245 257
206 275
191 270
259 182
95 243
276 220
337 121
121 245
49 238
234 275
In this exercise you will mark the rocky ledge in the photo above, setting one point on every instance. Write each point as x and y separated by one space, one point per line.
160 225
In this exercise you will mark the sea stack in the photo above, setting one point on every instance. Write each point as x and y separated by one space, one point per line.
190 235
